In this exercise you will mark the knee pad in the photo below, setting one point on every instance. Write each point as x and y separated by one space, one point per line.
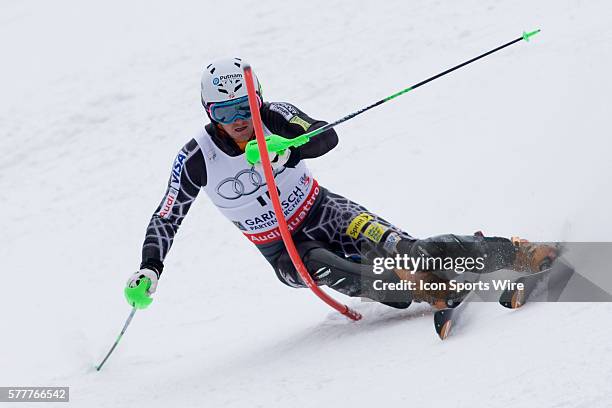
332 270
286 272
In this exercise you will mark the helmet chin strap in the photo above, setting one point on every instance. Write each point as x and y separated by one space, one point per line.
243 144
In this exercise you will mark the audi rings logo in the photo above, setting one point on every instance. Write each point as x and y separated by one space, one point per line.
245 182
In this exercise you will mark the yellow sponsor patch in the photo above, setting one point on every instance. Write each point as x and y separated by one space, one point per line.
375 231
357 224
300 122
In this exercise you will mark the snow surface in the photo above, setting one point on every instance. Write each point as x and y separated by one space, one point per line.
97 98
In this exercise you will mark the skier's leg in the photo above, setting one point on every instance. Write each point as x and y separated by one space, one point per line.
494 252
350 229
342 229
497 252
337 272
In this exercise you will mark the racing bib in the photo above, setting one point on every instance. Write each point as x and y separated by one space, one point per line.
240 192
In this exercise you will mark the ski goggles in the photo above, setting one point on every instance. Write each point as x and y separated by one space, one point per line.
229 111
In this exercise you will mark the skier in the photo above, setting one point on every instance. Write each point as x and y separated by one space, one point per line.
337 238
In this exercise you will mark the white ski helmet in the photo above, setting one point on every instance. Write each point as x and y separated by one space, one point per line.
222 81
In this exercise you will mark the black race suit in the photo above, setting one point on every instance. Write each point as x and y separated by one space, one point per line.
337 240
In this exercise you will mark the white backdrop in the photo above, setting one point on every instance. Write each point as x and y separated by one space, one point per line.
97 98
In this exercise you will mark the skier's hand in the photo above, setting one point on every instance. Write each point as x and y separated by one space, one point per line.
139 287
144 273
277 160
274 143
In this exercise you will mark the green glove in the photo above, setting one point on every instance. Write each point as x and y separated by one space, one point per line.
275 144
138 296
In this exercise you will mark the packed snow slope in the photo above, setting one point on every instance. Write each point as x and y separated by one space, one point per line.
97 98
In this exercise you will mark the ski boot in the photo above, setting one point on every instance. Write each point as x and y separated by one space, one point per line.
533 257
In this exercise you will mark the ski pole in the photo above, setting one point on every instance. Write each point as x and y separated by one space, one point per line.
139 299
127 323
278 210
277 143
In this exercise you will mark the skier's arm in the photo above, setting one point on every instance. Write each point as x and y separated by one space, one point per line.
286 120
188 174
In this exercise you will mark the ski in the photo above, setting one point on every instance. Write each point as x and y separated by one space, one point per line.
447 318
549 282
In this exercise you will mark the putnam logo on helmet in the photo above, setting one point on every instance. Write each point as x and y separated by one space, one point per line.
230 76
228 84
235 77
224 79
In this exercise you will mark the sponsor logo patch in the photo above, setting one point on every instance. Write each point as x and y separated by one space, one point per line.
228 84
300 122
211 154
305 180
375 231
391 242
286 110
357 225
166 207
235 76
177 170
